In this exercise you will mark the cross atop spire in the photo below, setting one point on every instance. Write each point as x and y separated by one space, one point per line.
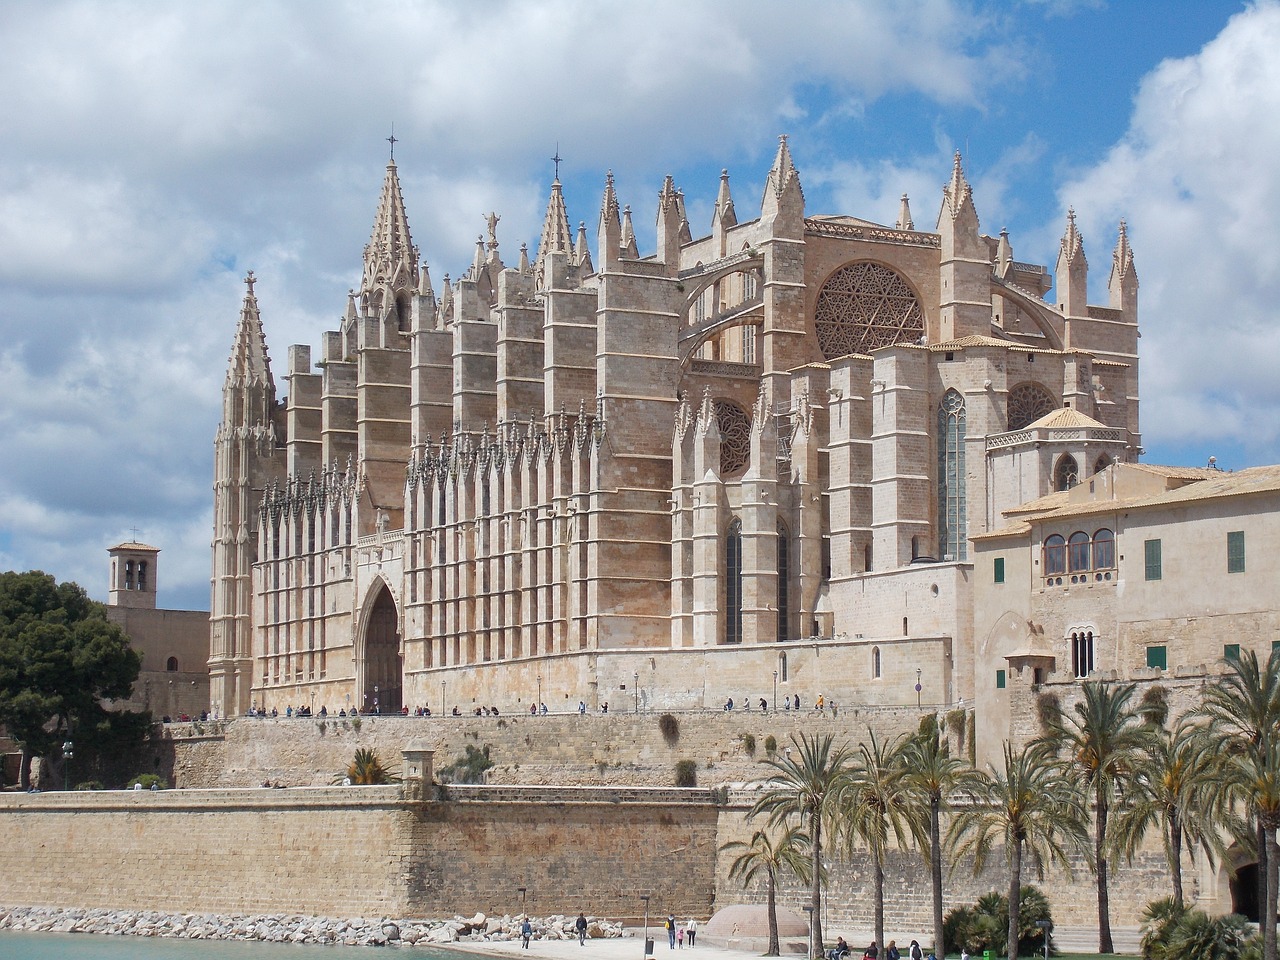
556 160
249 279
392 140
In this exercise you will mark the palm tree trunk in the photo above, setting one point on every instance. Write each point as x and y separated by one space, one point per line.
1015 898
880 902
1260 844
24 771
1175 860
1273 884
1104 896
815 892
935 869
772 901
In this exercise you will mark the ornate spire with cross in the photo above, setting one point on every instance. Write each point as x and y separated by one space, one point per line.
392 140
556 160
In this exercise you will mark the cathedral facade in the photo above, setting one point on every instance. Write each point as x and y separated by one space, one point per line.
746 465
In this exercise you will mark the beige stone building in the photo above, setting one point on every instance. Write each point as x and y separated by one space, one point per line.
747 464
174 644
1145 573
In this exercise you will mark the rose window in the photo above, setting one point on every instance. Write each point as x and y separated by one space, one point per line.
864 306
1027 403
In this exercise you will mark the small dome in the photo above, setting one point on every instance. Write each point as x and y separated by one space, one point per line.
752 920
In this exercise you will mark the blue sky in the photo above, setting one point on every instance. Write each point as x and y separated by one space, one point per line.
155 151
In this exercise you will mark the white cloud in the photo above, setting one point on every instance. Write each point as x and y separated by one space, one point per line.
1197 178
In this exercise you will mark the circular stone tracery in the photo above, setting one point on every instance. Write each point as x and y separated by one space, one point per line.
735 437
1027 403
864 306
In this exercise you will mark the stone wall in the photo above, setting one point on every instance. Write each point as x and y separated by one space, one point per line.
359 851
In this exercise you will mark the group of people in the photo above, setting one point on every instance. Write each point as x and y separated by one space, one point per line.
891 952
679 934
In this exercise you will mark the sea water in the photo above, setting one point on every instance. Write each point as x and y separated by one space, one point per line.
92 946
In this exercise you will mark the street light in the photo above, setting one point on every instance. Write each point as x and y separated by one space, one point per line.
1046 926
539 703
775 691
809 910
522 893
917 688
645 898
635 682
67 754
442 698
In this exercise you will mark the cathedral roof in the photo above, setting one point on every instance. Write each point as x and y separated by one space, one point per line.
133 546
1067 417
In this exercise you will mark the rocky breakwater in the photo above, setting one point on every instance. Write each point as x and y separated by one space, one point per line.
284 928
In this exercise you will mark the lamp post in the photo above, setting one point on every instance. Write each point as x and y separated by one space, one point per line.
67 754
918 688
775 691
376 711
645 898
809 910
539 703
522 893
635 682
442 698
1046 926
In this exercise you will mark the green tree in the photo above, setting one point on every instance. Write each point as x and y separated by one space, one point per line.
875 810
933 777
1028 807
59 656
762 855
1243 710
1174 787
804 789
1104 739
366 769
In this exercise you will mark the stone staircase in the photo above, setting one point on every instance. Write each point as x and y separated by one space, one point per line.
1084 939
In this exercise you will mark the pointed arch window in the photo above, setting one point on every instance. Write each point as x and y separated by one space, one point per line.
875 663
1066 474
952 518
733 583
1082 653
1101 463
142 574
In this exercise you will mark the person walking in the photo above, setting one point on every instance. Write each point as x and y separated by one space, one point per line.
691 932
581 926
679 937
671 930
526 931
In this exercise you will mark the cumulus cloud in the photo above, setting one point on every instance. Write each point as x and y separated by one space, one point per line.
1196 176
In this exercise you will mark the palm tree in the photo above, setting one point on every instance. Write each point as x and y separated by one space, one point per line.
1176 786
1104 739
875 809
1243 708
1028 806
933 776
762 855
804 788
366 768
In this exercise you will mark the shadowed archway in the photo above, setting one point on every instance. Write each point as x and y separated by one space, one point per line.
383 665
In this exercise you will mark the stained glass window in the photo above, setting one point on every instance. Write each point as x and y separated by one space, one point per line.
864 306
951 476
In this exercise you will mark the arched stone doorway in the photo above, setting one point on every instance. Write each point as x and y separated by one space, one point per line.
383 665
1245 898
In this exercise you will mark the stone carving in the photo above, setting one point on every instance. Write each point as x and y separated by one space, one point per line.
1027 403
735 437
864 306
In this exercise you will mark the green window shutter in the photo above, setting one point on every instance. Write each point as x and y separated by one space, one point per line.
1152 551
1231 651
999 679
1235 551
1158 658
999 568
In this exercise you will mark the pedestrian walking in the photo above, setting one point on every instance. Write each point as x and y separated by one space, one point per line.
679 937
581 926
671 930
526 931
691 932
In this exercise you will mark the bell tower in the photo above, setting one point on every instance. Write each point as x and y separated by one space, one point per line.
133 576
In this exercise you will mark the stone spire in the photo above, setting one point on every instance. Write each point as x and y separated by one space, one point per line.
1072 271
629 247
669 222
609 230
249 365
390 246
783 201
1004 254
555 231
723 219
957 195
581 254
1122 285
965 263
904 215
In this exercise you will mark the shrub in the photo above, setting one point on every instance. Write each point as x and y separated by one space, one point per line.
1173 933
355 724
985 925
469 768
1158 921
90 785
686 773
1154 705
771 744
365 769
670 728
956 722
748 743
148 780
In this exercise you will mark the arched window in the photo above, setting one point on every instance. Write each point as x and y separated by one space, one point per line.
171 665
128 574
951 477
1027 403
1066 474
863 306
875 663
142 574
782 667
784 581
1078 552
1101 463
733 583
1055 555
1082 653
1104 549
